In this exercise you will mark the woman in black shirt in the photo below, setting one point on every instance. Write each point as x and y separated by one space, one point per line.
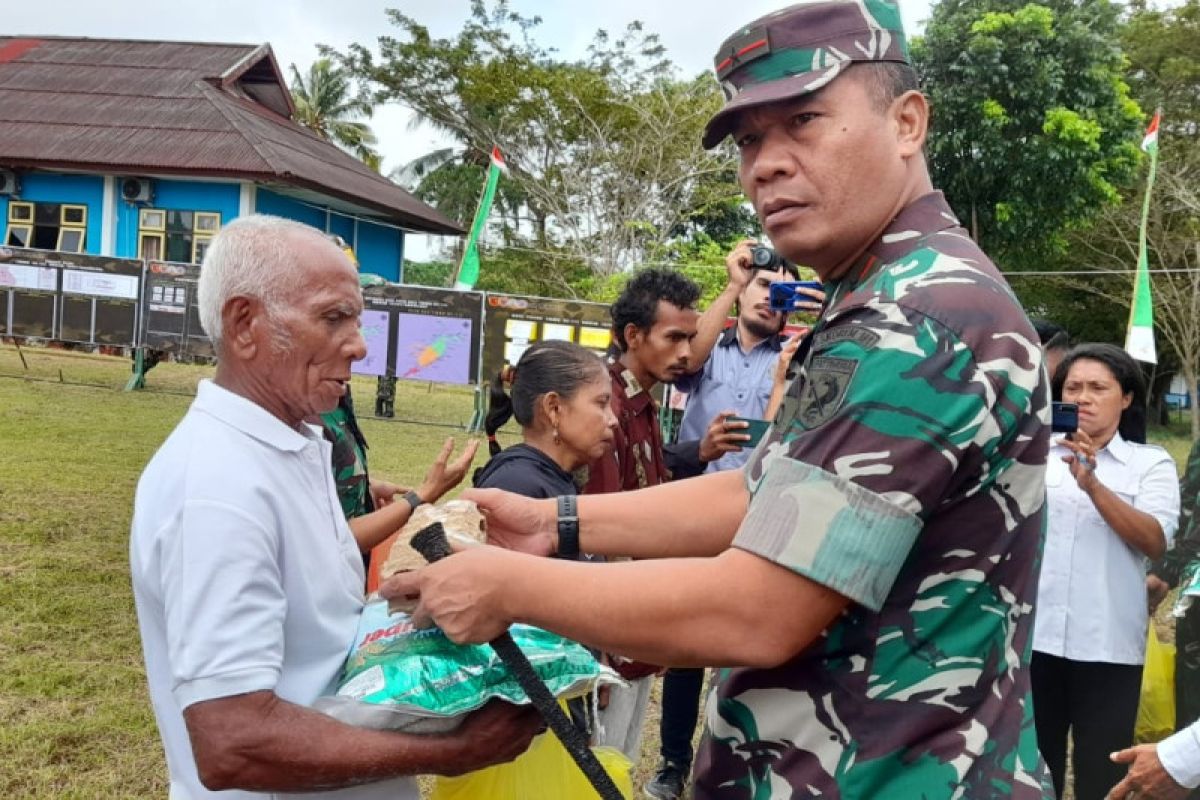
560 397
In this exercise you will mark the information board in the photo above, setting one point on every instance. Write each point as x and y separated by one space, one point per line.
29 285
512 323
172 318
99 299
422 333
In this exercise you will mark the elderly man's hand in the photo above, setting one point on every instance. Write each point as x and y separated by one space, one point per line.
515 522
463 594
444 475
1147 779
495 734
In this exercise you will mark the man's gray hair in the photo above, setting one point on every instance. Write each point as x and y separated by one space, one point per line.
253 256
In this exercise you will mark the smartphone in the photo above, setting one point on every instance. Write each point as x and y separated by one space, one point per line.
756 429
784 297
1064 417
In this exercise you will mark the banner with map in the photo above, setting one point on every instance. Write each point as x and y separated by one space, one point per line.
419 333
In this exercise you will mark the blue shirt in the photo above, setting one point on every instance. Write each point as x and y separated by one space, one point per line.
731 379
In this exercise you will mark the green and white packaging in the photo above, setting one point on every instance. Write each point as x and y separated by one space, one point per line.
401 678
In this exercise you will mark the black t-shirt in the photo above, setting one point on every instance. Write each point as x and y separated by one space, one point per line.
525 470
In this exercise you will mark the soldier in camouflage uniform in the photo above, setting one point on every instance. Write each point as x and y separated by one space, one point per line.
349 458
385 396
1177 568
874 568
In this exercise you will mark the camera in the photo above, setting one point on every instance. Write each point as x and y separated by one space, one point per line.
763 257
1064 417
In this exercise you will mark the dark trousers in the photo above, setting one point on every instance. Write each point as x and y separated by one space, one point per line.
1187 668
1096 703
680 710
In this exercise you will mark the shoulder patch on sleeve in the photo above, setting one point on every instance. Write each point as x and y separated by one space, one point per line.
864 337
824 389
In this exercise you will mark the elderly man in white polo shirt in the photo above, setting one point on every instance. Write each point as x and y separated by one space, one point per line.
247 580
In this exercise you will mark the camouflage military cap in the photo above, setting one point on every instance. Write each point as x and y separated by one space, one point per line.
800 49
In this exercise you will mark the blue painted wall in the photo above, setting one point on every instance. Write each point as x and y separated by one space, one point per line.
342 226
267 202
47 187
177 195
380 250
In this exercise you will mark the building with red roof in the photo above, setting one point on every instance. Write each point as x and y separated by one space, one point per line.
144 149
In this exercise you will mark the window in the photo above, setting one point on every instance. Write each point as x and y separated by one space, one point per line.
47 226
20 225
152 234
71 230
174 235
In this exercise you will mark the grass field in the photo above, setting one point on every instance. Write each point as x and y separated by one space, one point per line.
75 721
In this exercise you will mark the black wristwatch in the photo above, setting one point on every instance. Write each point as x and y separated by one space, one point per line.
413 499
568 527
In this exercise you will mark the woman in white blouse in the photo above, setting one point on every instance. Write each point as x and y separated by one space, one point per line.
1113 504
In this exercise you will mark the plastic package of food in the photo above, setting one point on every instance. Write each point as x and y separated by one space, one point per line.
400 678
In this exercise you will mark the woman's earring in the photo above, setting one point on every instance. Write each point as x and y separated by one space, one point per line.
557 438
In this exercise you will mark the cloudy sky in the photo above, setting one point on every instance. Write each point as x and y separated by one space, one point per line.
690 29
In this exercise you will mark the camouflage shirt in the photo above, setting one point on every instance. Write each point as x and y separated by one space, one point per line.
906 471
1187 541
349 459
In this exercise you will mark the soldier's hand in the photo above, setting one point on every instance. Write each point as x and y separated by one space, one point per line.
444 474
516 522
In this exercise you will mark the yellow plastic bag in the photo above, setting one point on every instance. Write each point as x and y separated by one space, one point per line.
544 772
1156 709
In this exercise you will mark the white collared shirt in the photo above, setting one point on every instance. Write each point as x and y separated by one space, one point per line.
1091 603
1180 756
245 574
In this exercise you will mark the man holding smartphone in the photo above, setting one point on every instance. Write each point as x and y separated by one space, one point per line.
734 374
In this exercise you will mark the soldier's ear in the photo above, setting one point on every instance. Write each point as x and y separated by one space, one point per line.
910 117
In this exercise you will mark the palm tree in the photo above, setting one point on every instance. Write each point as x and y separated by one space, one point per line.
325 105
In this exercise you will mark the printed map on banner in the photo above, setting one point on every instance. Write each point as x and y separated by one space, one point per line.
375 332
433 348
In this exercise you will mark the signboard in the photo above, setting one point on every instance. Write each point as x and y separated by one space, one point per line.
421 333
512 323
171 317
30 287
99 296
69 296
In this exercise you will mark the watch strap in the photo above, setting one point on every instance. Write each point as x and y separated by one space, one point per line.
413 499
568 527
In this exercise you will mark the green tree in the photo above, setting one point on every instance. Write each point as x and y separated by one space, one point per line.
1163 50
327 105
604 149
1034 128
